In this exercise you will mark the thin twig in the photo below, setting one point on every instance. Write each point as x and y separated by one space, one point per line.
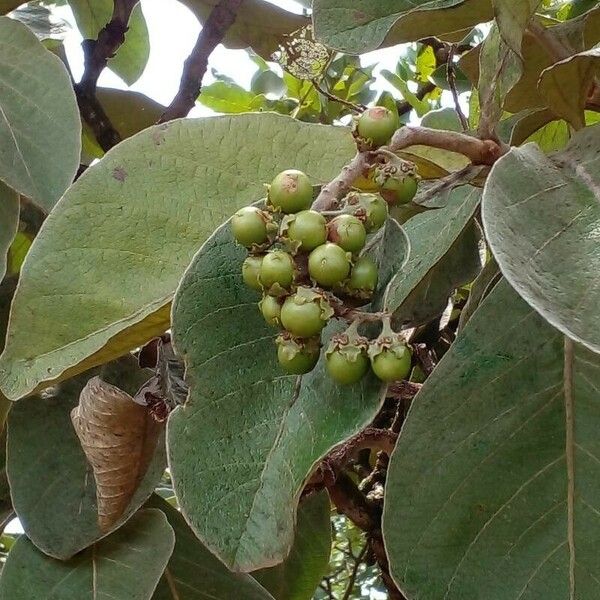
358 108
452 83
357 562
213 31
96 55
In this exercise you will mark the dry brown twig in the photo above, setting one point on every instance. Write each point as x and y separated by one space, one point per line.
96 55
213 31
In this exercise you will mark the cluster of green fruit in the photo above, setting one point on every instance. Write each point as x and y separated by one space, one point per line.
307 264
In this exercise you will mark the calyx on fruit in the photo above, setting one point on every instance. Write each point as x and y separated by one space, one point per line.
297 356
277 272
398 181
306 230
305 313
346 357
253 227
390 355
371 209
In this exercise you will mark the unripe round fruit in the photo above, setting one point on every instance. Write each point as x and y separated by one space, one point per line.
297 357
399 191
328 264
392 365
348 232
343 369
309 228
271 310
364 275
249 226
291 191
376 210
377 124
302 317
251 271
277 268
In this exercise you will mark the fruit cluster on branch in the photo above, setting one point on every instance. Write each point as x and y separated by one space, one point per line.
312 265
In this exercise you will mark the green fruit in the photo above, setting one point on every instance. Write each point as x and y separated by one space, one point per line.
328 264
277 268
345 368
348 232
377 124
249 226
375 209
399 191
309 228
392 364
251 270
364 275
271 310
297 357
291 191
303 315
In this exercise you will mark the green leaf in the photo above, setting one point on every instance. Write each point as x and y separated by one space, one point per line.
541 214
420 106
482 285
576 74
9 222
128 111
258 24
6 508
299 575
52 485
357 26
249 435
512 18
492 490
37 108
443 255
226 97
130 60
127 564
515 129
181 179
581 34
444 118
553 136
500 69
193 573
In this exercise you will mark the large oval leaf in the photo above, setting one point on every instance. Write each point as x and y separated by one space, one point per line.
38 112
542 216
113 251
298 576
127 564
52 484
492 491
444 254
357 26
193 573
249 435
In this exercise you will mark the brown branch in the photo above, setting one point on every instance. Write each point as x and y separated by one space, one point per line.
480 152
452 83
213 31
96 55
